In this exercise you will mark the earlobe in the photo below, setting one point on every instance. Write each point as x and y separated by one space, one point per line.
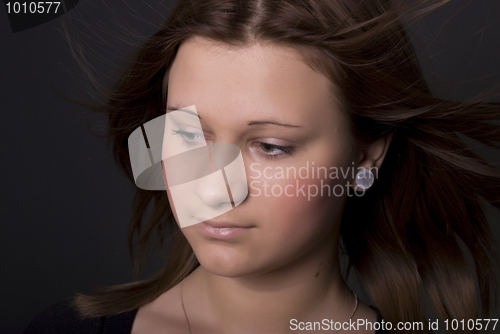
370 161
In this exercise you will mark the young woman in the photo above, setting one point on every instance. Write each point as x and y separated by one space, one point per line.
317 85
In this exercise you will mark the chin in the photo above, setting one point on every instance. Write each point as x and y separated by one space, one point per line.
229 263
226 269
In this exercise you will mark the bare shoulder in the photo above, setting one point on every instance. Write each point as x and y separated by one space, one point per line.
162 315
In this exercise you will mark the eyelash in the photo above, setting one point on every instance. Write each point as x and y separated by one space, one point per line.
286 150
188 143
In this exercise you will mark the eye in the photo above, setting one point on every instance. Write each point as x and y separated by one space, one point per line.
189 138
271 151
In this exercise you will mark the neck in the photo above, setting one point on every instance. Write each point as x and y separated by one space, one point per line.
308 290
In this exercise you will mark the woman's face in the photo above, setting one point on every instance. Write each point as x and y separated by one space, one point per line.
287 123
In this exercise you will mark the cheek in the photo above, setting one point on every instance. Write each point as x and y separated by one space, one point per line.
298 209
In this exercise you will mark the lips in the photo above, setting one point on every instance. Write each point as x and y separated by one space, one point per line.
224 224
223 230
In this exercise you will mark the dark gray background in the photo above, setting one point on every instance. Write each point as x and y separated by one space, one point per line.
65 206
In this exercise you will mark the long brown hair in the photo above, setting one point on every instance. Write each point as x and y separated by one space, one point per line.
424 211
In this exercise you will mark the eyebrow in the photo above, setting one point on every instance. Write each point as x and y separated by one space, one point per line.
173 108
273 123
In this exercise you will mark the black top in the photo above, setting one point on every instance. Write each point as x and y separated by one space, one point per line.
60 318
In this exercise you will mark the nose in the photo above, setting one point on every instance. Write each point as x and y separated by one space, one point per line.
226 186
213 192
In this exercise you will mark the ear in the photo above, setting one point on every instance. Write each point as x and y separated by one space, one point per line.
372 156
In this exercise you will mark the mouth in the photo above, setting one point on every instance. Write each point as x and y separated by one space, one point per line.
224 224
223 229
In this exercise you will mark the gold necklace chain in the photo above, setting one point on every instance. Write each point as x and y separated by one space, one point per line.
189 329
183 309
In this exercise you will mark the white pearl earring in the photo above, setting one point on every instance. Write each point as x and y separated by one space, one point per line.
364 178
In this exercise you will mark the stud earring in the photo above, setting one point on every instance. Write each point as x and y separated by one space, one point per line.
364 179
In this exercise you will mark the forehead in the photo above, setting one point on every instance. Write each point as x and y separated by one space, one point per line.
253 79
